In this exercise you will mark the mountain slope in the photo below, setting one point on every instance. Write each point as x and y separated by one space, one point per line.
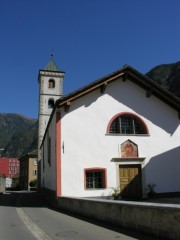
167 76
18 135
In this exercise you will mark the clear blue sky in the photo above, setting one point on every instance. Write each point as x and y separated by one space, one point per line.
90 38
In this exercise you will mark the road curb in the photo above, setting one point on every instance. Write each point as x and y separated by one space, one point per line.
36 231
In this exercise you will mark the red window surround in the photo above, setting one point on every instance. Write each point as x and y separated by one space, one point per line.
96 169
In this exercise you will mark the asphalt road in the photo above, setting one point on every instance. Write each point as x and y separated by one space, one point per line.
11 226
26 216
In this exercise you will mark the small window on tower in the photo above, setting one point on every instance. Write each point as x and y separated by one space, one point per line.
51 103
51 83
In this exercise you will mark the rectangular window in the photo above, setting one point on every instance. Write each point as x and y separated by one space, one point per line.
34 172
95 178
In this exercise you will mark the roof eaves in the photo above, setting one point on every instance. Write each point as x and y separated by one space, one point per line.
92 86
30 154
134 76
157 90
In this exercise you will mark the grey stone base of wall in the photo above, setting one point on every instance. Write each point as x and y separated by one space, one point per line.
160 220
49 195
168 194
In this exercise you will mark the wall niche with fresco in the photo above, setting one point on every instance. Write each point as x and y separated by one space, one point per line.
129 149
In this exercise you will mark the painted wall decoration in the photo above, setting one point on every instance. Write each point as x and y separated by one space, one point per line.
129 149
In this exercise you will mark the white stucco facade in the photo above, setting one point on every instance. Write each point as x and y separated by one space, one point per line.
86 144
49 168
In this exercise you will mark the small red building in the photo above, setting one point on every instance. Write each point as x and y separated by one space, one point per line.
9 167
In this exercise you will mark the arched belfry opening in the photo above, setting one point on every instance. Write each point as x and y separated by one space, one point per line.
51 103
51 83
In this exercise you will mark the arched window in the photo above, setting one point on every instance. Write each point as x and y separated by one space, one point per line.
51 103
127 123
51 83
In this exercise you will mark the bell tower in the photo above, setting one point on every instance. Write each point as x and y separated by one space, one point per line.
50 89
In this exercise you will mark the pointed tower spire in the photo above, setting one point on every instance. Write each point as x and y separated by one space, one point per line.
51 66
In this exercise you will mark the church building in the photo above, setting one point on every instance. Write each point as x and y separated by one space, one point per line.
121 131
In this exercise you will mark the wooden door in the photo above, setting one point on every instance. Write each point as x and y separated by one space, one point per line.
130 181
